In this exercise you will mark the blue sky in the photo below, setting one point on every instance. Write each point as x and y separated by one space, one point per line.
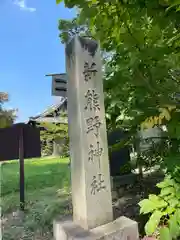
29 49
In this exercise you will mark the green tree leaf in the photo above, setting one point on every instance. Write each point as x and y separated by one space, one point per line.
173 202
169 210
159 202
167 191
153 222
58 1
165 234
146 206
178 215
174 227
166 183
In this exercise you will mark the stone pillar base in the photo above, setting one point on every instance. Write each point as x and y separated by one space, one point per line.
120 229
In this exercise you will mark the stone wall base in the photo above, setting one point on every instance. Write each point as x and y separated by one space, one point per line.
120 229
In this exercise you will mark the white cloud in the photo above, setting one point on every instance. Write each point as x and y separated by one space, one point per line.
23 5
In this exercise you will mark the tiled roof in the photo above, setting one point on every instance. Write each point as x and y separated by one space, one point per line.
50 110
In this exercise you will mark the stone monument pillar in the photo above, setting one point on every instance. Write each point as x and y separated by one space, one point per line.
90 176
87 131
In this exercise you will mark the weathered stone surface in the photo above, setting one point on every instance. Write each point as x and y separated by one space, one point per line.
112 185
91 190
120 229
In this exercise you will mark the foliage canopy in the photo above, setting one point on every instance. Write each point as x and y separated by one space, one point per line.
7 117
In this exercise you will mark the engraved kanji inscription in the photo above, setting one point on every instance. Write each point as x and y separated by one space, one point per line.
92 100
89 71
97 184
91 153
95 153
93 125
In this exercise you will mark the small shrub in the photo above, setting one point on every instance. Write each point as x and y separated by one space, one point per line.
164 209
